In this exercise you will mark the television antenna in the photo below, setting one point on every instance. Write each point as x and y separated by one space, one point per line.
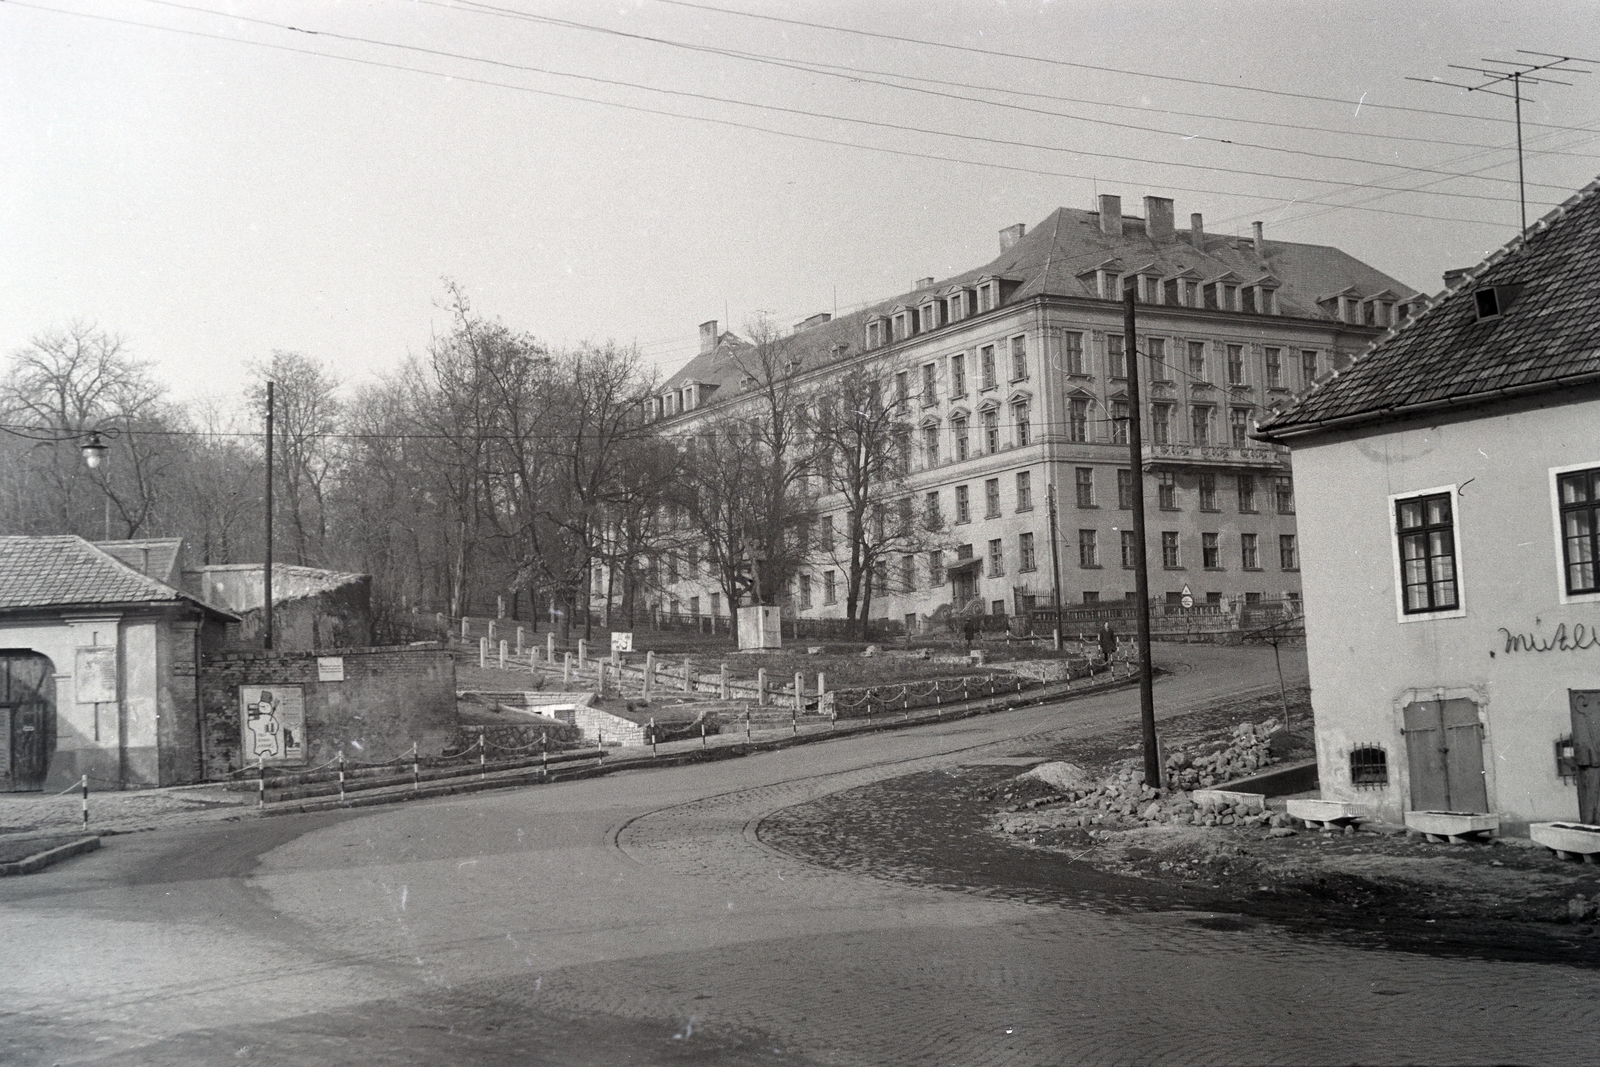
1517 72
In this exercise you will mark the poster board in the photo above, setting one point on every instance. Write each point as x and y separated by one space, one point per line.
94 675
272 724
622 641
330 668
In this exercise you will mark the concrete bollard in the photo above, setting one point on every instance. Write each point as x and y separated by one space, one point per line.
688 675
583 653
463 626
519 640
649 675
761 687
483 652
566 669
491 630
444 627
502 653
1057 638
500 607
550 649
799 692
822 684
600 676
725 691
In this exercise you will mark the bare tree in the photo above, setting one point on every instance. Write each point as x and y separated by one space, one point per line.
307 411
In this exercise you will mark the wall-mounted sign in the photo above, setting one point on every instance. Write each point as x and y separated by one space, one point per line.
622 642
94 675
330 668
272 723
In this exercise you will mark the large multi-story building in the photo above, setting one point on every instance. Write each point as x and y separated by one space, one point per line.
1014 377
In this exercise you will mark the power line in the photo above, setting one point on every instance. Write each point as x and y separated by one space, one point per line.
730 123
795 111
1054 61
859 75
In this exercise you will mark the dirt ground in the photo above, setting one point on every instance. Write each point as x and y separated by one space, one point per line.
988 828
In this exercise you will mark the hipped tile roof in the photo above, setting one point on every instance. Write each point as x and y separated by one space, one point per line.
1547 338
66 571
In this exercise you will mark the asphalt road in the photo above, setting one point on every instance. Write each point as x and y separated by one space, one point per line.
637 919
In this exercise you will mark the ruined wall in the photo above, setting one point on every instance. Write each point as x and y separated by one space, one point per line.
389 698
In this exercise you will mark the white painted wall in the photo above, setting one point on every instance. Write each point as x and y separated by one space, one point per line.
1366 663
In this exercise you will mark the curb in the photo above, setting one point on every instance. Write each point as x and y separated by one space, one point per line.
40 860
736 750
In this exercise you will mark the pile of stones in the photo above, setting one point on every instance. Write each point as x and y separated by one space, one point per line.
1121 801
1248 752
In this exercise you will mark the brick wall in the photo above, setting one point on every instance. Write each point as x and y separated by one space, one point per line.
390 697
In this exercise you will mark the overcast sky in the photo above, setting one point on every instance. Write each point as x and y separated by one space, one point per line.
214 188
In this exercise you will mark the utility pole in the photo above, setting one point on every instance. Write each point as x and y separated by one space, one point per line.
1141 568
1055 562
266 572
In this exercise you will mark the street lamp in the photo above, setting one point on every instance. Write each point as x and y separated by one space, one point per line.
94 450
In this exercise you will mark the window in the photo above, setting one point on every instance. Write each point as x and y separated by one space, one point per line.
1024 491
1169 550
1091 596
1426 529
675 605
1200 425
902 452
997 558
1249 554
958 376
880 577
1283 493
930 446
805 594
1288 554
1125 490
1239 427
1019 358
902 388
1274 358
1161 424
826 539
1088 549
958 430
1078 419
958 307
1116 359
963 505
1210 552
1247 494
1167 491
672 567
1025 559
1085 485
1129 551
716 602
1156 350
1236 364
694 606
997 607
1208 492
1369 767
991 498
1072 352
1197 360
1578 496
986 366
908 573
991 431
692 558
1308 367
1119 422
935 568
930 384
1019 418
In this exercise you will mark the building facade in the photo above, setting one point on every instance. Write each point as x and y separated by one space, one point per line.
1012 378
1449 498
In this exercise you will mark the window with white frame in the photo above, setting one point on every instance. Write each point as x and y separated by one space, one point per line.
1116 358
1426 544
1578 525
1274 364
958 375
1197 360
1019 358
963 504
986 367
1025 556
1019 419
1078 419
991 498
997 557
1119 422
1072 352
958 433
930 446
1083 478
1235 364
1156 352
991 431
1088 549
1024 491
930 384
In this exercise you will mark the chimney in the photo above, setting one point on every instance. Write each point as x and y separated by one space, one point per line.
1158 224
1197 230
1261 242
1011 235
1453 276
708 337
813 321
1110 215
923 283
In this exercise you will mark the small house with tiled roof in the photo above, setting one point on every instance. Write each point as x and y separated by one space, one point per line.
1013 380
99 665
1449 508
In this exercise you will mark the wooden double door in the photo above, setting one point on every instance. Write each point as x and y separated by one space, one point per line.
1444 752
27 717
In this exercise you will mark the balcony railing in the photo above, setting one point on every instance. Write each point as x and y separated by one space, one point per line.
1214 456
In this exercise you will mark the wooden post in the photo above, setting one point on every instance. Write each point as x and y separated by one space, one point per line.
725 691
688 675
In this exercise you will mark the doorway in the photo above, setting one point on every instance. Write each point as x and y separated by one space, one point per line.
27 717
1585 705
1444 751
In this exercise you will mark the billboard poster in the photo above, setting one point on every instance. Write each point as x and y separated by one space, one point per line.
95 679
273 723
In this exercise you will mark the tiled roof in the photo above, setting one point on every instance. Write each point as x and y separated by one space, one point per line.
1546 337
1052 259
65 571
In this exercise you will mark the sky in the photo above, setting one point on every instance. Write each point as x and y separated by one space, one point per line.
217 179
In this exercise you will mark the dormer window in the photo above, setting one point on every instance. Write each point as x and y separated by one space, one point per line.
876 334
1110 283
985 298
1266 300
930 317
1350 309
957 306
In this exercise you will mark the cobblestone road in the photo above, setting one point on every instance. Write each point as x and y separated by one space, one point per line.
638 919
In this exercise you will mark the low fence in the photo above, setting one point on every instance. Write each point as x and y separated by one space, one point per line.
866 702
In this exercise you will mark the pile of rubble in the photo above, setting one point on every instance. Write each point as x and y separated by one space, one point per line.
1249 751
1121 801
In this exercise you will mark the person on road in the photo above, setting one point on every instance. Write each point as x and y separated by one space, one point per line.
1108 641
